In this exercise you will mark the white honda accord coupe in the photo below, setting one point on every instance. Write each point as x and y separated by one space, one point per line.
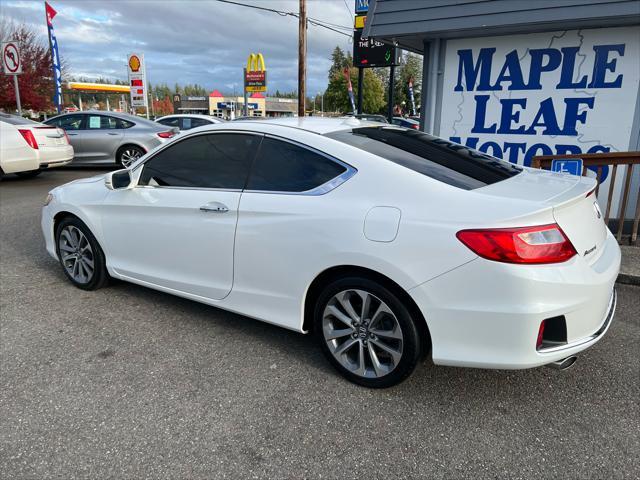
386 242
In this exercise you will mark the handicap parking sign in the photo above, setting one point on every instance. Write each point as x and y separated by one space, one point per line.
572 166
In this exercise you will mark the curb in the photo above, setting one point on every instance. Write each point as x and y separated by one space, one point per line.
628 279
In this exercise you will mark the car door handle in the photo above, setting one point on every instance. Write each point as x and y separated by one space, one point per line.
72 134
215 207
111 133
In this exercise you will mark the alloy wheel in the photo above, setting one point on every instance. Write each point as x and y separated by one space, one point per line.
362 333
76 254
129 156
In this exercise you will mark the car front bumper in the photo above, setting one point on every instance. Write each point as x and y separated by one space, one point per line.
487 314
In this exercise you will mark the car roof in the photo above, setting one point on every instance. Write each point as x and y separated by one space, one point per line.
321 125
182 115
123 116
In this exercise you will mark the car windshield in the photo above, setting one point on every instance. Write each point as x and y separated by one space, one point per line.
15 120
434 157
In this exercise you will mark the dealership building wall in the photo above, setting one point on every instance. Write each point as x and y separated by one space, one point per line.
520 78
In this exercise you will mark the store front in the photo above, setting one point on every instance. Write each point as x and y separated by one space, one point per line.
522 79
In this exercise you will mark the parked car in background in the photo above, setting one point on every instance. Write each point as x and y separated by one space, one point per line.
320 224
28 147
406 122
369 117
110 137
186 121
248 117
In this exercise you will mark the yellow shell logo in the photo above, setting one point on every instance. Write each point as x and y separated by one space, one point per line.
134 63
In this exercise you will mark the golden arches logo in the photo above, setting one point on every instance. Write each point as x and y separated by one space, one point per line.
255 63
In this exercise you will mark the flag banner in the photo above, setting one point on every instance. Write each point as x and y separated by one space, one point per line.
350 90
412 98
55 58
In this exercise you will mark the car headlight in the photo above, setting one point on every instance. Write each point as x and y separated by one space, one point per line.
48 200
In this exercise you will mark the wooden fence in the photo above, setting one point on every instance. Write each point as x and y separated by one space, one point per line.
598 161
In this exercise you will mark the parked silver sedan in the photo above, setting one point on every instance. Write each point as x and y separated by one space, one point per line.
187 121
100 137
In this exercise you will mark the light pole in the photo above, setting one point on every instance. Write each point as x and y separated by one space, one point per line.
321 103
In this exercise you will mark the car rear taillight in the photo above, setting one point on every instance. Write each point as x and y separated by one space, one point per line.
28 137
529 245
166 134
415 127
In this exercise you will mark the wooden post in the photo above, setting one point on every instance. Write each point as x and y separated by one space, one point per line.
302 57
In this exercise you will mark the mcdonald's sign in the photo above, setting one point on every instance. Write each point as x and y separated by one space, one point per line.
255 76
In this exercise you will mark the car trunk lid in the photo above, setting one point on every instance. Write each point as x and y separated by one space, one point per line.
49 136
575 209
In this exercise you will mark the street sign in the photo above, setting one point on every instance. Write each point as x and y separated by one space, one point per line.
572 166
362 6
11 61
255 79
368 52
137 80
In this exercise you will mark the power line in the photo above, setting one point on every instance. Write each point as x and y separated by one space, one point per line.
313 21
348 9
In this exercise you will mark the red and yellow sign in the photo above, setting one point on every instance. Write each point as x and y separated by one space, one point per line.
134 63
255 79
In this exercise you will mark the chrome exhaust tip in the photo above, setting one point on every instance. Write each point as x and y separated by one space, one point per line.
564 363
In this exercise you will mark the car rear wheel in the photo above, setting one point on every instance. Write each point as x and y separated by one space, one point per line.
366 332
80 255
129 154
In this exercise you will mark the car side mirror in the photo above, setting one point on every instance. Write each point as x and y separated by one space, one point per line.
118 180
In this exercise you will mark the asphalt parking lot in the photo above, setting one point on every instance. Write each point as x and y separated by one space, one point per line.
127 382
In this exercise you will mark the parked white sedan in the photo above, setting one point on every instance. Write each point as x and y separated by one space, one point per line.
28 147
386 242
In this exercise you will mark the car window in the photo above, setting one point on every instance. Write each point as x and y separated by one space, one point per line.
170 122
199 122
101 122
124 123
68 122
434 157
204 161
284 167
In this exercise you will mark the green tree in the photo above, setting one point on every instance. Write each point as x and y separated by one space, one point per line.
411 68
337 97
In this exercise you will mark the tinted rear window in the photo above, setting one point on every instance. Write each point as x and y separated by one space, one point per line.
434 157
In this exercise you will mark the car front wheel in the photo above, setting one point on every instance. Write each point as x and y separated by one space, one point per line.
80 255
366 332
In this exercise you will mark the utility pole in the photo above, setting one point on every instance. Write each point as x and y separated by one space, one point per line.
302 56
360 81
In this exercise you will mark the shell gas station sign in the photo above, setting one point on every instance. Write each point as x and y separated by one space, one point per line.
137 80
255 76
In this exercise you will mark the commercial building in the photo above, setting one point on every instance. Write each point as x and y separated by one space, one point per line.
229 106
521 78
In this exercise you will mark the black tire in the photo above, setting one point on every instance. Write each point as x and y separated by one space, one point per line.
29 174
100 276
411 340
124 150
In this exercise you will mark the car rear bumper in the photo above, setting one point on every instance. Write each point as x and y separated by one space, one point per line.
55 156
487 314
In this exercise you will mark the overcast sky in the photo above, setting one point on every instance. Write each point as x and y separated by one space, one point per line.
190 41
